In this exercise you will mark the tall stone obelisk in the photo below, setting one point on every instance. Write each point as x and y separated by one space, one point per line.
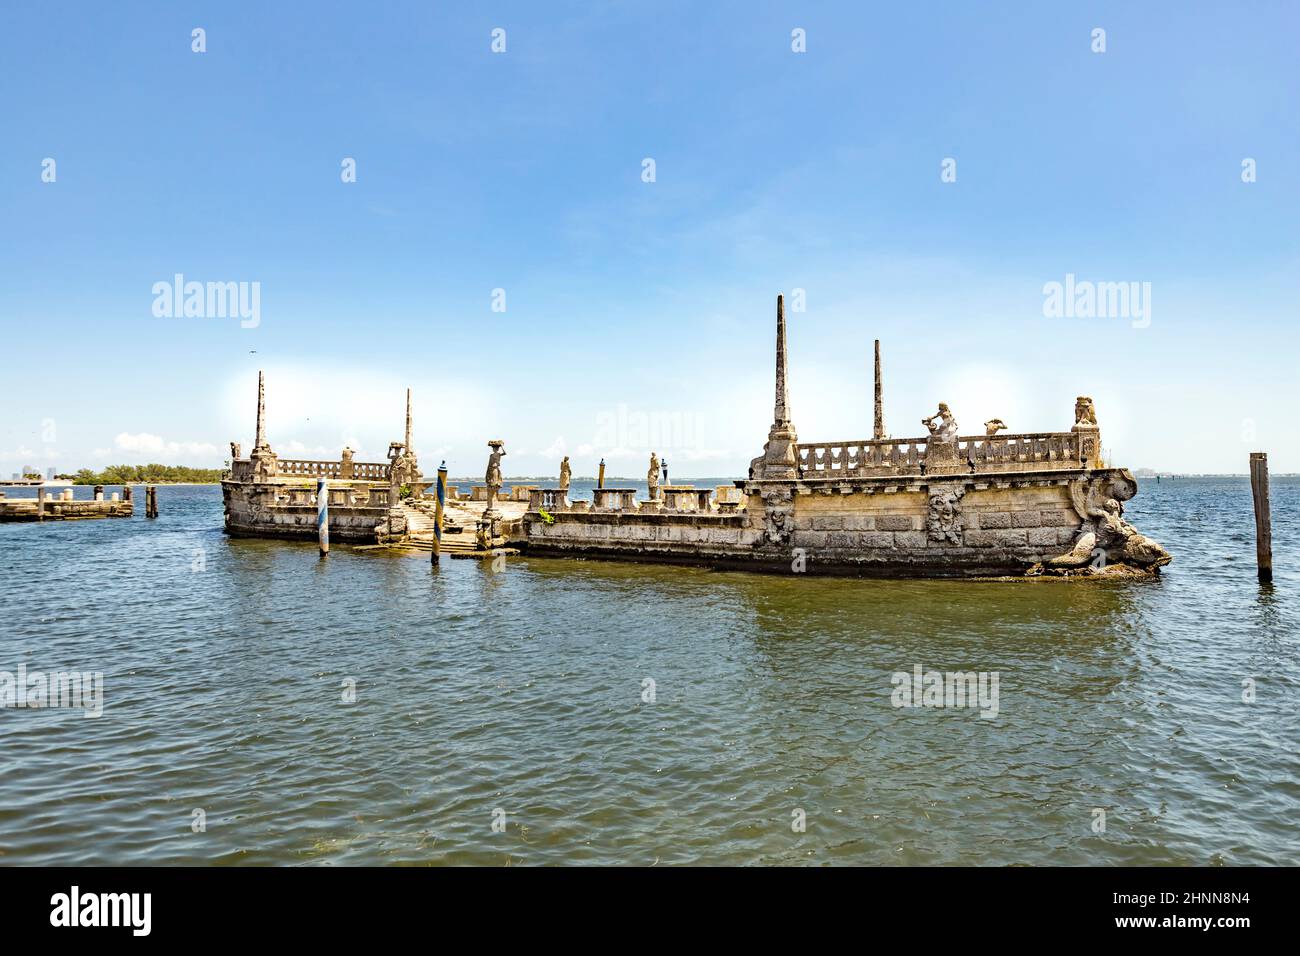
409 453
259 443
264 461
778 459
878 430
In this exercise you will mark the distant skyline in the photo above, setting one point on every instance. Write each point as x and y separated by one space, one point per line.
958 182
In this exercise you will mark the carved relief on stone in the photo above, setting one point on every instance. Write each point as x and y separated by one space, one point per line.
265 465
943 522
1089 495
1087 449
778 517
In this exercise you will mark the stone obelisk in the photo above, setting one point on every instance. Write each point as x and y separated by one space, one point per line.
264 461
878 430
778 458
407 447
260 443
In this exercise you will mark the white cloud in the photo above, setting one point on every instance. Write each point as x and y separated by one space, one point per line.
155 448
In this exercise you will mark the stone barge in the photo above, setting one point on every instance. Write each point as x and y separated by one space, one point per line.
268 496
942 505
370 503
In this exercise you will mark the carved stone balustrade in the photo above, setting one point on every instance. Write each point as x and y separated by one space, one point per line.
613 499
302 468
686 498
550 500
1044 451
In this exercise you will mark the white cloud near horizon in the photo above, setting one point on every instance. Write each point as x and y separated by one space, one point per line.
156 449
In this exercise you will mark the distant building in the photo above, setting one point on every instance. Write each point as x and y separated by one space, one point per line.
49 473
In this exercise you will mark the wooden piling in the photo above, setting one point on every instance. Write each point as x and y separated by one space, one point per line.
1263 519
323 515
437 513
600 478
40 503
151 501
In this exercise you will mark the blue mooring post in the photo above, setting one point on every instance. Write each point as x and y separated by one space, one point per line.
437 512
323 515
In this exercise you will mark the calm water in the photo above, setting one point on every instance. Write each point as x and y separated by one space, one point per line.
224 664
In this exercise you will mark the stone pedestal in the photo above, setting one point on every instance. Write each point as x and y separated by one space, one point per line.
1089 445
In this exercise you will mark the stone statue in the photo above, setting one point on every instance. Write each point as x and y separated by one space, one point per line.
943 523
347 470
235 451
1097 502
942 426
652 476
1120 538
1085 413
493 476
993 426
564 474
941 448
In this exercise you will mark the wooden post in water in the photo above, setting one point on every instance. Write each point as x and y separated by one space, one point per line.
600 478
323 515
40 503
437 512
1263 520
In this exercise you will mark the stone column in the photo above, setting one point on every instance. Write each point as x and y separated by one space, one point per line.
262 458
260 443
878 430
408 423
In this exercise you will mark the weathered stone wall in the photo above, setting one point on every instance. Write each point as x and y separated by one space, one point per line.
1038 516
651 536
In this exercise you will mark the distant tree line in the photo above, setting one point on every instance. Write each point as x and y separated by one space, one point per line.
142 474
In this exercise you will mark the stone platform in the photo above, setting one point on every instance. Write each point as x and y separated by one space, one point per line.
62 509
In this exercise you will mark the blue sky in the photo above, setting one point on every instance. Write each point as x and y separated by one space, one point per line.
640 314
